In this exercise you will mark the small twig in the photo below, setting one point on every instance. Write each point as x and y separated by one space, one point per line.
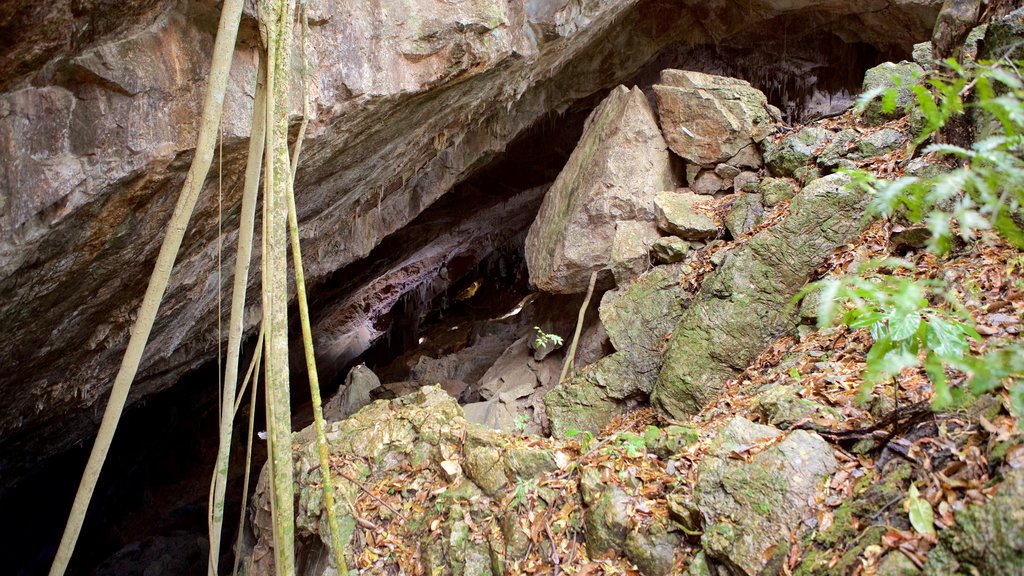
571 356
372 495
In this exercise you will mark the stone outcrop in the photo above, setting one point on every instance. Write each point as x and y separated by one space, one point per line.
746 303
750 507
637 319
987 539
620 163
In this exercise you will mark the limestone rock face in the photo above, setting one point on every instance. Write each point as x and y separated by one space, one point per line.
709 119
745 304
885 75
750 508
637 319
620 163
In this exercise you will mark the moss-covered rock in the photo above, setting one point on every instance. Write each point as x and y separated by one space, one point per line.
653 549
745 304
783 404
987 539
750 508
795 151
684 215
878 143
670 250
890 75
776 191
746 213
637 319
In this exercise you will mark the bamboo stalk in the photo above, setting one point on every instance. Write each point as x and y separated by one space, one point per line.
246 226
307 335
276 17
571 356
213 103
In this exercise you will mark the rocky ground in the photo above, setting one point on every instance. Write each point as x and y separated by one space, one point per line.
726 433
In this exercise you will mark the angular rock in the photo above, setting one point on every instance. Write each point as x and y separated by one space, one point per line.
631 250
354 395
670 250
727 172
890 75
783 404
637 319
832 155
709 182
710 119
684 214
878 143
745 214
749 508
653 550
620 163
795 151
746 181
744 305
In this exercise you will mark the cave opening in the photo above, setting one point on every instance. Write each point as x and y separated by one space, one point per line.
148 514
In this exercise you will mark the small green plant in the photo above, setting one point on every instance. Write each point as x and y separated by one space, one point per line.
902 322
983 191
544 339
523 489
634 444
585 438
521 421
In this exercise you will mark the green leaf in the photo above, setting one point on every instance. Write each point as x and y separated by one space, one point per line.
921 516
945 338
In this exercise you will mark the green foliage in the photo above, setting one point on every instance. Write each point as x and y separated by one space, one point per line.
544 339
984 191
523 489
987 190
586 438
634 444
903 323
521 421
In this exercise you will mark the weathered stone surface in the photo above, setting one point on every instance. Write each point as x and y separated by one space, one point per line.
750 508
637 319
890 75
631 249
795 151
745 304
832 155
710 183
745 214
880 142
612 176
709 119
685 214
987 539
776 191
783 404
670 250
355 394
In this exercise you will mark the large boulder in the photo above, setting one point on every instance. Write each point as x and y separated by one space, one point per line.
637 319
620 163
745 304
750 507
902 77
710 119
